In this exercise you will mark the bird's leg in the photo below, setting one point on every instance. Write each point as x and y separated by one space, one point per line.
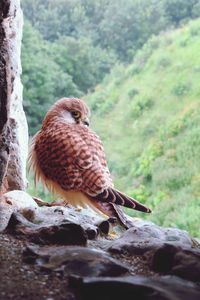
41 202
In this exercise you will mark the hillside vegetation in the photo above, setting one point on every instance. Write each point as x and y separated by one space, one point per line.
148 115
70 45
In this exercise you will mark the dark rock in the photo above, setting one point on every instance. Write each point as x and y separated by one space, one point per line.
92 232
170 259
162 259
65 233
53 224
136 287
146 236
75 260
104 227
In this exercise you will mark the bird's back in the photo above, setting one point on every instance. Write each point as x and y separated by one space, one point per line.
72 156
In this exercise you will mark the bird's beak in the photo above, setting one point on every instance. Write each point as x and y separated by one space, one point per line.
85 121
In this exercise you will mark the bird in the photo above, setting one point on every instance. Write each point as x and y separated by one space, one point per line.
69 159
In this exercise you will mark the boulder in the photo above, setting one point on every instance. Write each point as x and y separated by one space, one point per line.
145 236
136 287
75 260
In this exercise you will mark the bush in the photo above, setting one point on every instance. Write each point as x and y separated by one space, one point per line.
134 70
140 193
133 92
168 175
163 62
181 89
195 30
140 105
184 41
158 198
153 151
195 182
175 127
188 215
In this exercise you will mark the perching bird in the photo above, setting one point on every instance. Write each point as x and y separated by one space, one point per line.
68 157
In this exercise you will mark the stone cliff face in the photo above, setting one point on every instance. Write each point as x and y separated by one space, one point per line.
13 125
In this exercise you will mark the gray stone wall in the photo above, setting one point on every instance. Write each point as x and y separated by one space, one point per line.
13 124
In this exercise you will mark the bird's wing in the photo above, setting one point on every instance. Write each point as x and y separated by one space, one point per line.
73 157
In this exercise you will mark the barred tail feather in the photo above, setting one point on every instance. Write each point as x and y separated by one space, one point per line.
113 196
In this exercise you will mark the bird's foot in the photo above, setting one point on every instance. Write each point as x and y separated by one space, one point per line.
41 202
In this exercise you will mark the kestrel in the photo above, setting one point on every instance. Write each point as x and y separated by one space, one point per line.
68 157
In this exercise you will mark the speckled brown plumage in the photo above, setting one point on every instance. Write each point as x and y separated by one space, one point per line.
72 155
69 158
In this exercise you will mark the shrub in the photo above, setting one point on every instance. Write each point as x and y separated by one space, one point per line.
181 89
158 198
153 151
140 105
175 127
163 62
195 30
169 176
133 92
140 193
184 41
195 182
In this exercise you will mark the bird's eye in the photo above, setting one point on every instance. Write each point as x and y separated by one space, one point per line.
76 114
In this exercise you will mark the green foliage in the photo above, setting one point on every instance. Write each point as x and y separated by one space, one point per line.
181 89
54 70
140 193
43 78
77 57
163 62
151 153
178 11
98 103
132 92
120 26
140 105
151 133
70 46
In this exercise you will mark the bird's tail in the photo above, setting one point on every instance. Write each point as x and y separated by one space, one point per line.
114 196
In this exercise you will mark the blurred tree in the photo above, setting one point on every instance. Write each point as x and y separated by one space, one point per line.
85 63
120 26
127 25
178 11
56 18
43 78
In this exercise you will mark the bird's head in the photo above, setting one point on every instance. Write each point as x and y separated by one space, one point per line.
70 110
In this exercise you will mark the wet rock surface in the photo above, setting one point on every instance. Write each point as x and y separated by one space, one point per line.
135 287
56 252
